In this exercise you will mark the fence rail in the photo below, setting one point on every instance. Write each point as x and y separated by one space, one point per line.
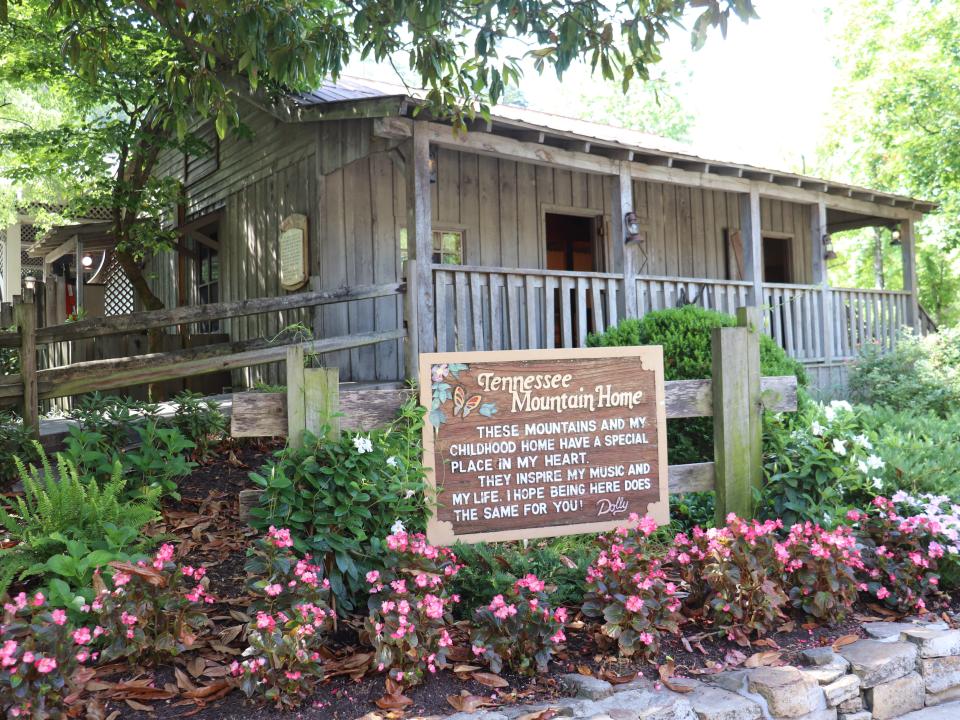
866 316
33 385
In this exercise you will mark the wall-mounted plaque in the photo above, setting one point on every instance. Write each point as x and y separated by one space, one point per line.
540 443
293 252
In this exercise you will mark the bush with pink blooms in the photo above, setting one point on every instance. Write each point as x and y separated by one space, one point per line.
629 589
820 569
732 576
409 608
900 555
292 617
154 611
40 656
519 629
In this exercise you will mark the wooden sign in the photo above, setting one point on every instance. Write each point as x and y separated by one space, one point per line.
293 252
540 443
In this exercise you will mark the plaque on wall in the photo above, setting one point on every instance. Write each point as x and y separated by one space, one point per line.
541 443
293 252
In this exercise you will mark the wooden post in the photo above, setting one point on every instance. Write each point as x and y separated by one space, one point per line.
624 256
321 392
411 350
907 251
818 229
752 244
296 398
737 414
10 249
25 315
420 231
6 315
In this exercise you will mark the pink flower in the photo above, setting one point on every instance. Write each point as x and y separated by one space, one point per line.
163 556
293 675
59 617
45 665
83 656
81 636
279 537
373 576
121 578
882 593
634 604
39 600
128 619
273 590
645 637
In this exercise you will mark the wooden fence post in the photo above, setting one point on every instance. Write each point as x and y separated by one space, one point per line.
296 398
25 316
411 350
321 391
737 414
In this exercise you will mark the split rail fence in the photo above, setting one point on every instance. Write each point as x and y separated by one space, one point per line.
26 389
735 398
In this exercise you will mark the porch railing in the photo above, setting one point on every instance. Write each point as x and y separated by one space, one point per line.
493 308
488 308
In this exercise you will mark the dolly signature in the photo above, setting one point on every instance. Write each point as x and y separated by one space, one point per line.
606 506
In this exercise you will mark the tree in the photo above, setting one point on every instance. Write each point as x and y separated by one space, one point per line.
896 122
134 77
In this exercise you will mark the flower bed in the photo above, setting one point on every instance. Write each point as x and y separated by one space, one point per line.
232 622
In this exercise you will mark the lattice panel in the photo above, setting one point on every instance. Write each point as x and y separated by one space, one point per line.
118 291
29 265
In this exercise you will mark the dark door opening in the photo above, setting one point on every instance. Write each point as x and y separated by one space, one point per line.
570 242
571 247
777 260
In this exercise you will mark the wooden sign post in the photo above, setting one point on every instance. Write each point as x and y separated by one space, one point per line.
540 443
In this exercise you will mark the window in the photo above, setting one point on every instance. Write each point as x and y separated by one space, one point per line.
447 246
777 258
208 283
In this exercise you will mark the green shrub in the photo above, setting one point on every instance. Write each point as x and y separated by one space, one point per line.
921 375
200 421
340 498
15 441
57 507
113 417
492 569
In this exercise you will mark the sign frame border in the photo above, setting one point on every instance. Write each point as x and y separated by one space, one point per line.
295 221
440 532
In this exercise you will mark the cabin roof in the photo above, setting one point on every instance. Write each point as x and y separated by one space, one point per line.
599 139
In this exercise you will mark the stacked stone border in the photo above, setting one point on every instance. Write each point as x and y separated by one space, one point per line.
900 669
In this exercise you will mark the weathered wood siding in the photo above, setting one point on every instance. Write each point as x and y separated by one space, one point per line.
685 230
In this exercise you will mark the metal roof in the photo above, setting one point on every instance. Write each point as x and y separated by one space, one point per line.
643 147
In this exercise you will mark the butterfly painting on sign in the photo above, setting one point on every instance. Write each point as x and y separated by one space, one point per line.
539 443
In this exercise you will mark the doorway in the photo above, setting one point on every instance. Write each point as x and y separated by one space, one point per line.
777 258
572 242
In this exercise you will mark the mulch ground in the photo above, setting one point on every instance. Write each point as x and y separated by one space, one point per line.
206 526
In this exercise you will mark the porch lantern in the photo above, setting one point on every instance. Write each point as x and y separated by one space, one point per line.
631 228
30 283
895 238
828 252
86 260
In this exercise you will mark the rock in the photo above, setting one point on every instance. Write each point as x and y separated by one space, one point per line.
713 703
934 643
891 630
828 673
641 683
825 714
584 686
732 680
844 689
931 699
854 705
897 697
818 656
561 708
638 705
788 693
879 662
482 715
940 673
951 711
859 715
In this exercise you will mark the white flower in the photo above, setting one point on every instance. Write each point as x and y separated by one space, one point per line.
877 483
816 428
830 413
392 461
863 467
841 405
362 444
409 494
398 527
875 462
863 441
839 447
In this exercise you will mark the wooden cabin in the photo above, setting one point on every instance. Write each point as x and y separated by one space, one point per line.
529 230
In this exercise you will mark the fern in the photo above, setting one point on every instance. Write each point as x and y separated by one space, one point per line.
57 507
